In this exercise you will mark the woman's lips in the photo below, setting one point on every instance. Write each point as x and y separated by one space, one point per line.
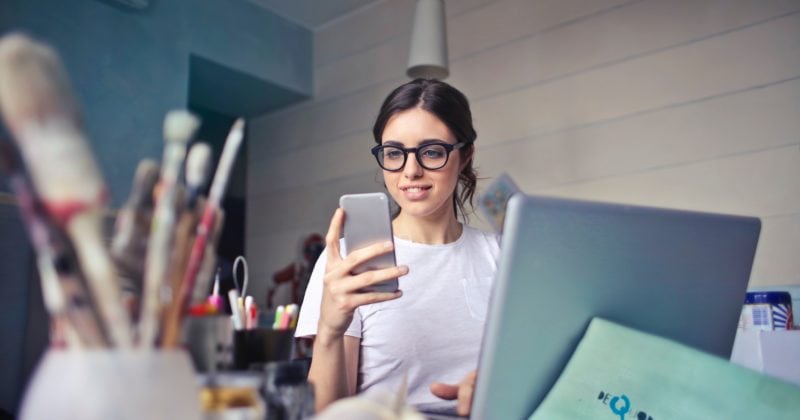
416 192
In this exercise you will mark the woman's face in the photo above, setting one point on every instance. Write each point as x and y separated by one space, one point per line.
418 191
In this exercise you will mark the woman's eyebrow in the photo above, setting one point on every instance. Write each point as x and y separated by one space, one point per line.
422 143
429 141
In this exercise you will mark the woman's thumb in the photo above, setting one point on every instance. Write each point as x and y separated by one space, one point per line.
444 391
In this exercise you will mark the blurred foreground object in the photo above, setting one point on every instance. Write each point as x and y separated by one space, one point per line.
40 112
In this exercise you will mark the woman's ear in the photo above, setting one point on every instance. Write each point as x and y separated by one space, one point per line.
467 156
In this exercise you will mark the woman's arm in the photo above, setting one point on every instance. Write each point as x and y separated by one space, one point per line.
334 365
334 369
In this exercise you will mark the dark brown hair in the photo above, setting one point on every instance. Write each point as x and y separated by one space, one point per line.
452 108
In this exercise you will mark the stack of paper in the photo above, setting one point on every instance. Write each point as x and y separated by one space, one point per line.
617 372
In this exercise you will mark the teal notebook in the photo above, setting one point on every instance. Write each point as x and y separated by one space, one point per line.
618 372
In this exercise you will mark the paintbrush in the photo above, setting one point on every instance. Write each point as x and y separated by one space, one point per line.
207 227
198 167
63 290
198 162
205 274
208 222
179 127
132 228
40 112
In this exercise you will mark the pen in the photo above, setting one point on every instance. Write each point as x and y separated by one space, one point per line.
250 311
215 299
236 313
295 313
254 315
288 313
276 325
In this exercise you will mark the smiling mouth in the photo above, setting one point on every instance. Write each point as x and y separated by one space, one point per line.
414 189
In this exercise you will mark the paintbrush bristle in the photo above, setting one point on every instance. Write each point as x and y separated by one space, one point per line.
40 111
180 126
197 165
33 84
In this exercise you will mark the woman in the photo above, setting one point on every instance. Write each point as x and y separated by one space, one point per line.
429 332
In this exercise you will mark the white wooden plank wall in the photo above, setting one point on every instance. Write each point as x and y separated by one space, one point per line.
681 103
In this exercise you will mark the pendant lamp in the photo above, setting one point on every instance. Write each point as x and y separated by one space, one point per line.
428 54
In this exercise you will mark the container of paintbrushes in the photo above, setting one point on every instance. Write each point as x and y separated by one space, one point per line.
113 384
100 376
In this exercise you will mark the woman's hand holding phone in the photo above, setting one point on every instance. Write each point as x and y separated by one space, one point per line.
341 295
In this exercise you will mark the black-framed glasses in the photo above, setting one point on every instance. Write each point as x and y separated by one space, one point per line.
430 156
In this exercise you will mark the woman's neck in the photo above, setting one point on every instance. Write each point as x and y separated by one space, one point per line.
438 230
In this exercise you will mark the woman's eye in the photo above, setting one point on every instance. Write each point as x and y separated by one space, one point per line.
392 154
434 153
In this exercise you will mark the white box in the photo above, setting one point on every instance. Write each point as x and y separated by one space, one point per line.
775 353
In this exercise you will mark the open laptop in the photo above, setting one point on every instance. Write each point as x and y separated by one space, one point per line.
678 274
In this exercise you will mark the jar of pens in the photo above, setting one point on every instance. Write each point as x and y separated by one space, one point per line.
249 346
256 340
123 313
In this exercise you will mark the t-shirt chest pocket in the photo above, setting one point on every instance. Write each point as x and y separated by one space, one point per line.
477 290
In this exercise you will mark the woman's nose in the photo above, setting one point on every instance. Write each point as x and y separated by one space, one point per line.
412 169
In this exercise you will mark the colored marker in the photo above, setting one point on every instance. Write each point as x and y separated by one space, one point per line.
278 315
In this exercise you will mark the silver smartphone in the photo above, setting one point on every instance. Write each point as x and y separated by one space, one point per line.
368 221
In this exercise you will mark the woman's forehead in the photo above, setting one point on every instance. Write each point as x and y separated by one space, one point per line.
414 126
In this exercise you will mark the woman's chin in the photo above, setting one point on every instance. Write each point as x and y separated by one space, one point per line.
420 209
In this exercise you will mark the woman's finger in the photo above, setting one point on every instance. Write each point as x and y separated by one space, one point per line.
444 391
333 235
359 299
372 277
464 398
361 255
465 390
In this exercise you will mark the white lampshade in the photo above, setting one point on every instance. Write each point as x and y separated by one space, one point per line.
428 54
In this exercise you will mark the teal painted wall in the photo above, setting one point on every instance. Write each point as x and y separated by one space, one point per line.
128 68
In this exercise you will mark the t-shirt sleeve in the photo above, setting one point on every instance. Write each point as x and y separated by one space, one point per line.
309 312
490 245
494 247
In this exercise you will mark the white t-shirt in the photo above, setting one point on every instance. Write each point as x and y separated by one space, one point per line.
433 332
